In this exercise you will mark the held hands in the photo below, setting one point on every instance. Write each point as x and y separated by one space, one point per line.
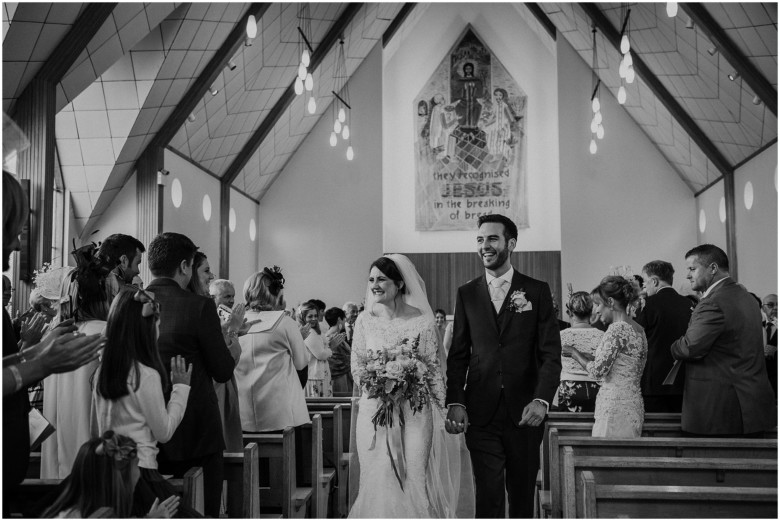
533 414
457 420
566 350
180 374
166 509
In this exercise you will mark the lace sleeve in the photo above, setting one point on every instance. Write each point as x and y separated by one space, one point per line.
429 349
606 353
357 357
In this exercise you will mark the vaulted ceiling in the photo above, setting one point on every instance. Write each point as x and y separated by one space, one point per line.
157 74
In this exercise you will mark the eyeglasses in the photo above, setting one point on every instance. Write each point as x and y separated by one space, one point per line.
151 307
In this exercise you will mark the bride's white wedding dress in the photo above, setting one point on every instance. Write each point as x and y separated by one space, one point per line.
380 493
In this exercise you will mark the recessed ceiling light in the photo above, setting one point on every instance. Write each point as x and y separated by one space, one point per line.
734 75
712 51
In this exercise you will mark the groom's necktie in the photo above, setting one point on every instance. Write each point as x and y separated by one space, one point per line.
497 293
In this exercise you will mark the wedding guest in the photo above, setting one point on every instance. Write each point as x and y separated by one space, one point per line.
617 362
270 395
318 383
104 475
8 291
339 362
124 253
578 390
769 308
190 327
59 351
321 307
444 332
128 391
726 391
351 312
595 321
85 297
223 292
201 275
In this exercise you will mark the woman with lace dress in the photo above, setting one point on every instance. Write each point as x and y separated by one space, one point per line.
405 470
618 362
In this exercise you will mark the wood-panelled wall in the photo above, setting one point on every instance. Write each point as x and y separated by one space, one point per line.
444 273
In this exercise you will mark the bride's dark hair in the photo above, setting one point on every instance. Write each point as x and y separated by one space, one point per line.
388 267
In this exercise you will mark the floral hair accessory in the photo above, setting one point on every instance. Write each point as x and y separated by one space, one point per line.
276 284
151 307
119 448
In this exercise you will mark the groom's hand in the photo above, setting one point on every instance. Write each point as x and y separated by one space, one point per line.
533 414
457 420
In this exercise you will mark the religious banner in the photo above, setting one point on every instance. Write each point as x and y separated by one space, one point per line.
471 145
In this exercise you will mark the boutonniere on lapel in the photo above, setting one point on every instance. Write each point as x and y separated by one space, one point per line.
518 303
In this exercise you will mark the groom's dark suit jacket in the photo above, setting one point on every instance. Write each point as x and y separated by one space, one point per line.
519 351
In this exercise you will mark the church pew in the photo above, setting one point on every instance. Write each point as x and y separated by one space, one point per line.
587 445
278 484
242 475
328 400
190 488
659 501
332 455
320 479
654 471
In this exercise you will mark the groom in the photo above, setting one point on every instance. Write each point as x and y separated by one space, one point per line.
502 372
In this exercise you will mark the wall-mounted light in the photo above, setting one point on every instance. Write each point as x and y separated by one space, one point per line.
689 24
163 171
213 90
232 65
733 76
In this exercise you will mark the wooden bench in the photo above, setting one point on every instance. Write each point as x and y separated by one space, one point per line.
650 417
666 471
242 477
332 452
659 501
647 447
320 479
346 456
278 484
190 488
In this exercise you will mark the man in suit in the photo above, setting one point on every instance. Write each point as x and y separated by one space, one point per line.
727 392
665 317
125 253
190 327
769 307
503 370
351 312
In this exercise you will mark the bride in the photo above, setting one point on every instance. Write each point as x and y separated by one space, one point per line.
407 468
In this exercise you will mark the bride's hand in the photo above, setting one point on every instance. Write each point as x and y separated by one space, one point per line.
457 420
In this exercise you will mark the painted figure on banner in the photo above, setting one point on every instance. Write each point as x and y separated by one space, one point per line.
470 148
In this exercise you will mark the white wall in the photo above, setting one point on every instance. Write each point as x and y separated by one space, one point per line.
757 227
409 60
321 220
711 217
625 205
243 245
121 216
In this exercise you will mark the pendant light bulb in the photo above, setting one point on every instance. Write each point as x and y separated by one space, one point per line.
298 86
593 147
597 118
251 27
302 71
333 139
628 59
309 83
305 58
596 105
671 9
622 68
594 126
625 45
337 127
345 132
312 105
350 153
600 132
621 95
342 115
630 75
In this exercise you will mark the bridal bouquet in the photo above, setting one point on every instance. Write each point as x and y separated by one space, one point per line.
394 376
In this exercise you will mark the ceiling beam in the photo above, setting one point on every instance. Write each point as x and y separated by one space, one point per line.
70 48
543 19
661 92
396 23
251 146
207 77
749 73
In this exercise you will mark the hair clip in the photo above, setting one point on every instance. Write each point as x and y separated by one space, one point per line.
121 449
276 284
151 307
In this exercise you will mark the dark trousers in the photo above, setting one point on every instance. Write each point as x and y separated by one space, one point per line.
663 403
504 457
213 475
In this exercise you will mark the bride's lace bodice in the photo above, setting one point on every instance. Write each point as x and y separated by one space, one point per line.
374 333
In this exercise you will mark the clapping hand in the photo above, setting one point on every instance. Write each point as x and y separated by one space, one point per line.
337 340
32 328
63 350
165 509
180 373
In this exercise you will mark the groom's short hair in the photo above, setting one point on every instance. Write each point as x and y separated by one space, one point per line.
510 229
